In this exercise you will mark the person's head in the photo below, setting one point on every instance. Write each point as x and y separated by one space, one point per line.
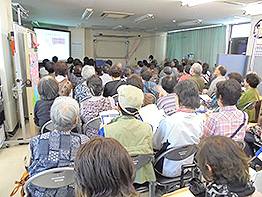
236 76
187 68
221 160
180 68
127 72
94 83
140 64
135 80
167 70
196 69
85 60
145 62
151 57
187 94
77 70
174 63
220 71
169 83
167 64
106 68
103 167
64 112
147 74
49 66
70 60
115 71
99 70
153 63
91 62
77 62
48 88
88 71
55 59
130 99
228 92
205 68
44 61
252 80
109 62
61 69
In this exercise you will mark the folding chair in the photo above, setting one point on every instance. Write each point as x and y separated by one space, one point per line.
250 106
176 154
52 178
140 161
94 123
241 143
48 126
115 97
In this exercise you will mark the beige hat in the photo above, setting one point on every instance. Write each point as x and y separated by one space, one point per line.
130 97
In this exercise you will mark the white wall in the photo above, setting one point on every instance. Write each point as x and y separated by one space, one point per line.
6 68
150 44
77 40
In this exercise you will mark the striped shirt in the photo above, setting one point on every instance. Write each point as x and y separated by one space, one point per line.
167 103
225 123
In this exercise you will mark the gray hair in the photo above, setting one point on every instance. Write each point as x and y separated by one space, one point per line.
48 88
64 112
88 71
197 68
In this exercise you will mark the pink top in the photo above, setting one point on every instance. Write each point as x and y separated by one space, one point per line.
184 77
225 123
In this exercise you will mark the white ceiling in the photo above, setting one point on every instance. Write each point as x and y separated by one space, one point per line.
68 13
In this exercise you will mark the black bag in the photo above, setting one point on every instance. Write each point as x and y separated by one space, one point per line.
197 187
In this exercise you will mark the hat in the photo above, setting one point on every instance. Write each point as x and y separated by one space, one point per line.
130 97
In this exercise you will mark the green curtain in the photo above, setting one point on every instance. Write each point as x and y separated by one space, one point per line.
205 44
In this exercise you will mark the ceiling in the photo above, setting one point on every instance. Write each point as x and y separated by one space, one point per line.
68 13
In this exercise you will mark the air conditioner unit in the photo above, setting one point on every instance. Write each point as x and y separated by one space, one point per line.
115 15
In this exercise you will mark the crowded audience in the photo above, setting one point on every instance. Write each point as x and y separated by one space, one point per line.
75 92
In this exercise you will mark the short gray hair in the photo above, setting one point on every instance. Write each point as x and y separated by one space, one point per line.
88 71
64 112
197 68
48 88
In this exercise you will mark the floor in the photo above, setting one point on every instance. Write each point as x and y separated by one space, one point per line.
12 166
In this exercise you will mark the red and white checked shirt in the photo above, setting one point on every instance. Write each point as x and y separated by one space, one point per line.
225 123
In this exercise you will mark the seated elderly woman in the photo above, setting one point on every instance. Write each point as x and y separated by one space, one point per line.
104 168
251 95
61 72
81 91
184 127
55 148
229 121
90 108
48 91
225 168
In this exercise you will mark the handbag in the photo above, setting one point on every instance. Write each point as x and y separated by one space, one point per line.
20 183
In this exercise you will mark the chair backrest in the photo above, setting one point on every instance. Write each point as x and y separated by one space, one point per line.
48 125
141 160
250 106
241 143
94 123
115 97
52 178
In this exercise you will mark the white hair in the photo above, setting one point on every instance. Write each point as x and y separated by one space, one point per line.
197 68
64 112
88 71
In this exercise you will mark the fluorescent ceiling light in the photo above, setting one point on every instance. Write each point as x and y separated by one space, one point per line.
87 13
195 2
190 23
118 27
254 8
144 18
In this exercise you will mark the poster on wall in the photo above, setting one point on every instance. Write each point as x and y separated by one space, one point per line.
258 49
34 75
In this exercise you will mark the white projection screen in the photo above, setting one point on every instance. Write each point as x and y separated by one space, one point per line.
52 42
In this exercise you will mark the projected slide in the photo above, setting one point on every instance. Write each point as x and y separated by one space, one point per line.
52 43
